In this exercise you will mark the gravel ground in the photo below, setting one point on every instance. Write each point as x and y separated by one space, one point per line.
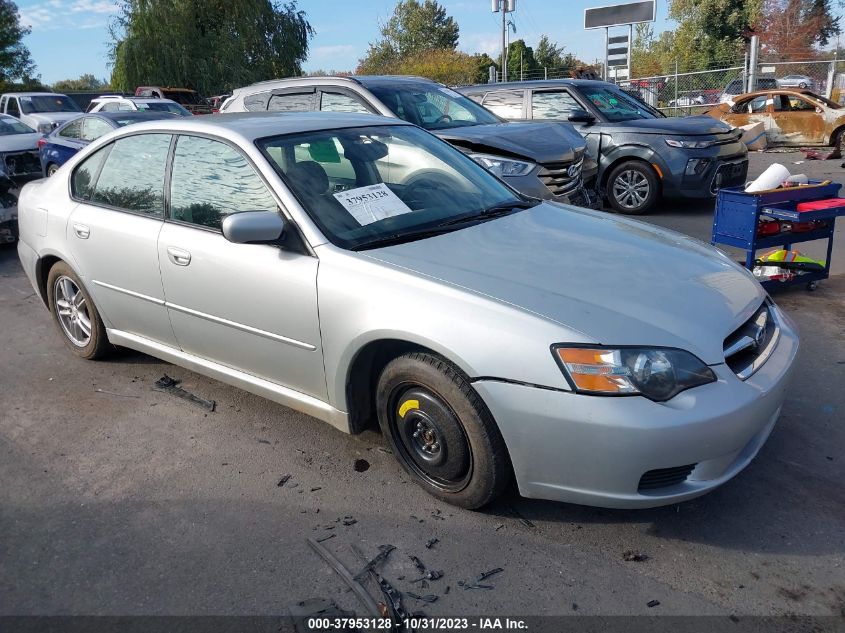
119 499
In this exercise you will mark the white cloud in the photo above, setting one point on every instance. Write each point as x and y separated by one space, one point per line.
63 14
336 50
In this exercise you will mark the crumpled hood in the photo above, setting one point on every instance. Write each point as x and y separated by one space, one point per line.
19 142
548 142
700 125
615 280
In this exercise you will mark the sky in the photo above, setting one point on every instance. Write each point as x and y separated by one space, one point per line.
70 37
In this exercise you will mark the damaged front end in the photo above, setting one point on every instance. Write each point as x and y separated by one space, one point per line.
21 164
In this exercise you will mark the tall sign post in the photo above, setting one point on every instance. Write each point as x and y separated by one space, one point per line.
505 6
617 49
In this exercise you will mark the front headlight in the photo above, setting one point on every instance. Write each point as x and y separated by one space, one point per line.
45 128
671 142
656 373
502 166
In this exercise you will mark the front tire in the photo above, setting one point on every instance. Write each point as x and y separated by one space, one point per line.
633 188
75 314
441 431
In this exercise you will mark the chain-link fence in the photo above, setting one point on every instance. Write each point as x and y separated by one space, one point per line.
680 94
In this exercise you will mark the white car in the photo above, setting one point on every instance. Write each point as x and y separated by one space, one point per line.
42 111
141 104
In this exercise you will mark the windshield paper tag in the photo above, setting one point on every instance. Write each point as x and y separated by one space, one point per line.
372 203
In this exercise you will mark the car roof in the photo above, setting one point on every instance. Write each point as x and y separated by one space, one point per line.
35 94
254 125
131 115
133 99
363 80
540 83
763 93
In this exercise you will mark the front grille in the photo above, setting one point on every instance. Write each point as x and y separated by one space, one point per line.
563 177
665 477
729 175
748 347
22 163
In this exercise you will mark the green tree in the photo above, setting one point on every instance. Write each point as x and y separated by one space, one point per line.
482 67
15 59
520 58
548 54
212 46
86 82
413 28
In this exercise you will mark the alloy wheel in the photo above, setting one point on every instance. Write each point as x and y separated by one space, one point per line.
631 189
72 311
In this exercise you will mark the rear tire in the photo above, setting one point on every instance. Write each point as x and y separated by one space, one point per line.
441 431
52 168
75 314
633 187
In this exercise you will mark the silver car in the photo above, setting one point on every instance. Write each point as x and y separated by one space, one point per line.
357 268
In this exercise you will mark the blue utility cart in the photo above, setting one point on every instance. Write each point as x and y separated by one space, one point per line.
738 215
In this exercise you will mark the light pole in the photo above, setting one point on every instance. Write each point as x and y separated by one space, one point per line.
505 6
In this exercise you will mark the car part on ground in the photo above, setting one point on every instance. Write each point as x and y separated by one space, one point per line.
377 293
543 160
642 156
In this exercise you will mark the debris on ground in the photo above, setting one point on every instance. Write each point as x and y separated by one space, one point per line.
515 513
427 598
365 598
815 154
486 574
499 527
326 538
437 514
416 518
284 480
384 552
652 603
316 488
347 521
574 606
361 465
431 542
431 574
472 585
418 563
633 556
114 393
171 385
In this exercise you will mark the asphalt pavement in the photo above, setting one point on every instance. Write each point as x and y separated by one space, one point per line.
120 499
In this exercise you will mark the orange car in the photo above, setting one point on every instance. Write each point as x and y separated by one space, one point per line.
791 117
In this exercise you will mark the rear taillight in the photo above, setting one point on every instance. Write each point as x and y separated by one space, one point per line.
41 143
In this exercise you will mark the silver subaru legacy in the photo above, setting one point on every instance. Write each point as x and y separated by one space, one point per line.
358 268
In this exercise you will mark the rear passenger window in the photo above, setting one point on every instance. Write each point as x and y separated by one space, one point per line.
211 180
82 181
507 105
93 128
132 177
553 105
292 102
338 102
72 130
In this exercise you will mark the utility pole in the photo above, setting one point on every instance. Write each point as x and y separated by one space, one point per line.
506 6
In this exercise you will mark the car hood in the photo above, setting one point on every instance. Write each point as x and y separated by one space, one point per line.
53 117
19 142
700 125
615 280
549 142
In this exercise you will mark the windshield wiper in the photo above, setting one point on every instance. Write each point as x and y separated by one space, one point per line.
399 238
493 211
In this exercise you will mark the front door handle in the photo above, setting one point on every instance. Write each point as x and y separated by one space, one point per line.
82 231
178 256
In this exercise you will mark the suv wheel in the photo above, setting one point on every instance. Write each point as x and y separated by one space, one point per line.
632 187
441 431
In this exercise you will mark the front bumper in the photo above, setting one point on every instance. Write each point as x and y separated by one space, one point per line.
593 450
727 166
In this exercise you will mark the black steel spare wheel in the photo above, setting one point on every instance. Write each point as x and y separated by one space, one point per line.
431 439
441 431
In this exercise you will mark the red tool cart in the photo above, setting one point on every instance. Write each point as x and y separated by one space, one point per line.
779 218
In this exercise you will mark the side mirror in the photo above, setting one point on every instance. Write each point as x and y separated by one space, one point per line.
253 227
581 116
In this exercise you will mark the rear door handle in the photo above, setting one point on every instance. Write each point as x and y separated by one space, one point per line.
178 256
82 231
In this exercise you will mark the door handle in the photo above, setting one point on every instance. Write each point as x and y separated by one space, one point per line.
82 231
178 256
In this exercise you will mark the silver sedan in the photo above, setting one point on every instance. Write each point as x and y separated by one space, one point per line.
359 269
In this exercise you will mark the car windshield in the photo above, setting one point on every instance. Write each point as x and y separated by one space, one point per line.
432 106
162 106
372 186
182 96
615 105
14 126
48 103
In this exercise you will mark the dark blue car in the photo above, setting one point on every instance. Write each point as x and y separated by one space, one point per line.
63 142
